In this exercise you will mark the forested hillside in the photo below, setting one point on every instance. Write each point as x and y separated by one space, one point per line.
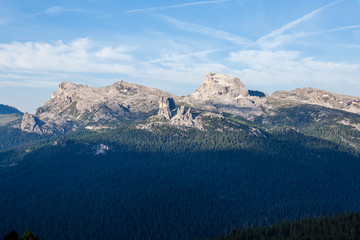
128 183
338 227
11 137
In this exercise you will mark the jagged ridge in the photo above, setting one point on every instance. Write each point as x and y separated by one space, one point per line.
74 105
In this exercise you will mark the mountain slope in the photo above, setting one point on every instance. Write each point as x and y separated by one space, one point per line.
9 115
131 162
339 227
316 97
75 106
135 184
80 102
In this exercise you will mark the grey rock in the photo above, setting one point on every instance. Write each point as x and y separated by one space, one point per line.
174 116
224 93
30 123
167 107
74 105
101 149
315 97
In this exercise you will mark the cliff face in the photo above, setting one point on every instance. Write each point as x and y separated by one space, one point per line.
167 107
30 123
177 116
224 93
220 88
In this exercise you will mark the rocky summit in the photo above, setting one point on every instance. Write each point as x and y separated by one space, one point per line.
75 105
224 93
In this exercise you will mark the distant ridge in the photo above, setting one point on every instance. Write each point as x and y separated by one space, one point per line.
5 109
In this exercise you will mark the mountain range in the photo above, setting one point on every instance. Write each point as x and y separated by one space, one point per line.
131 162
76 106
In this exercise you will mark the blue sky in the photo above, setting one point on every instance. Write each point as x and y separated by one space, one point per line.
171 45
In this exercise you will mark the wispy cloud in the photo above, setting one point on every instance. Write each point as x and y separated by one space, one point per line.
175 57
54 10
79 55
337 29
82 60
175 6
265 69
57 10
290 37
195 28
275 38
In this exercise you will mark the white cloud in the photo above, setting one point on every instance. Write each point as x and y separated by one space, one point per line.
176 6
119 53
290 69
170 56
276 37
32 64
195 28
56 10
78 56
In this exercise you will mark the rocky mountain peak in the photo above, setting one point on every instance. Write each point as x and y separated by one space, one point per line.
221 86
64 86
220 92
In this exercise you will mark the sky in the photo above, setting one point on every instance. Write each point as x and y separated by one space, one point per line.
171 45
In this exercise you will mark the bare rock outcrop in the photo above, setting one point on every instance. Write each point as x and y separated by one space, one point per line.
225 93
74 105
185 118
218 87
167 107
80 104
88 104
316 97
30 123
177 116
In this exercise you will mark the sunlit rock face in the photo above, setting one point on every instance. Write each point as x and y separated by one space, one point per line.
225 93
74 105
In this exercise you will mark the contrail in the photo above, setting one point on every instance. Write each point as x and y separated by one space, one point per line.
292 24
176 6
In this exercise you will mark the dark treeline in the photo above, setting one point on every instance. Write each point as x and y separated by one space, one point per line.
338 227
11 137
172 184
13 235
